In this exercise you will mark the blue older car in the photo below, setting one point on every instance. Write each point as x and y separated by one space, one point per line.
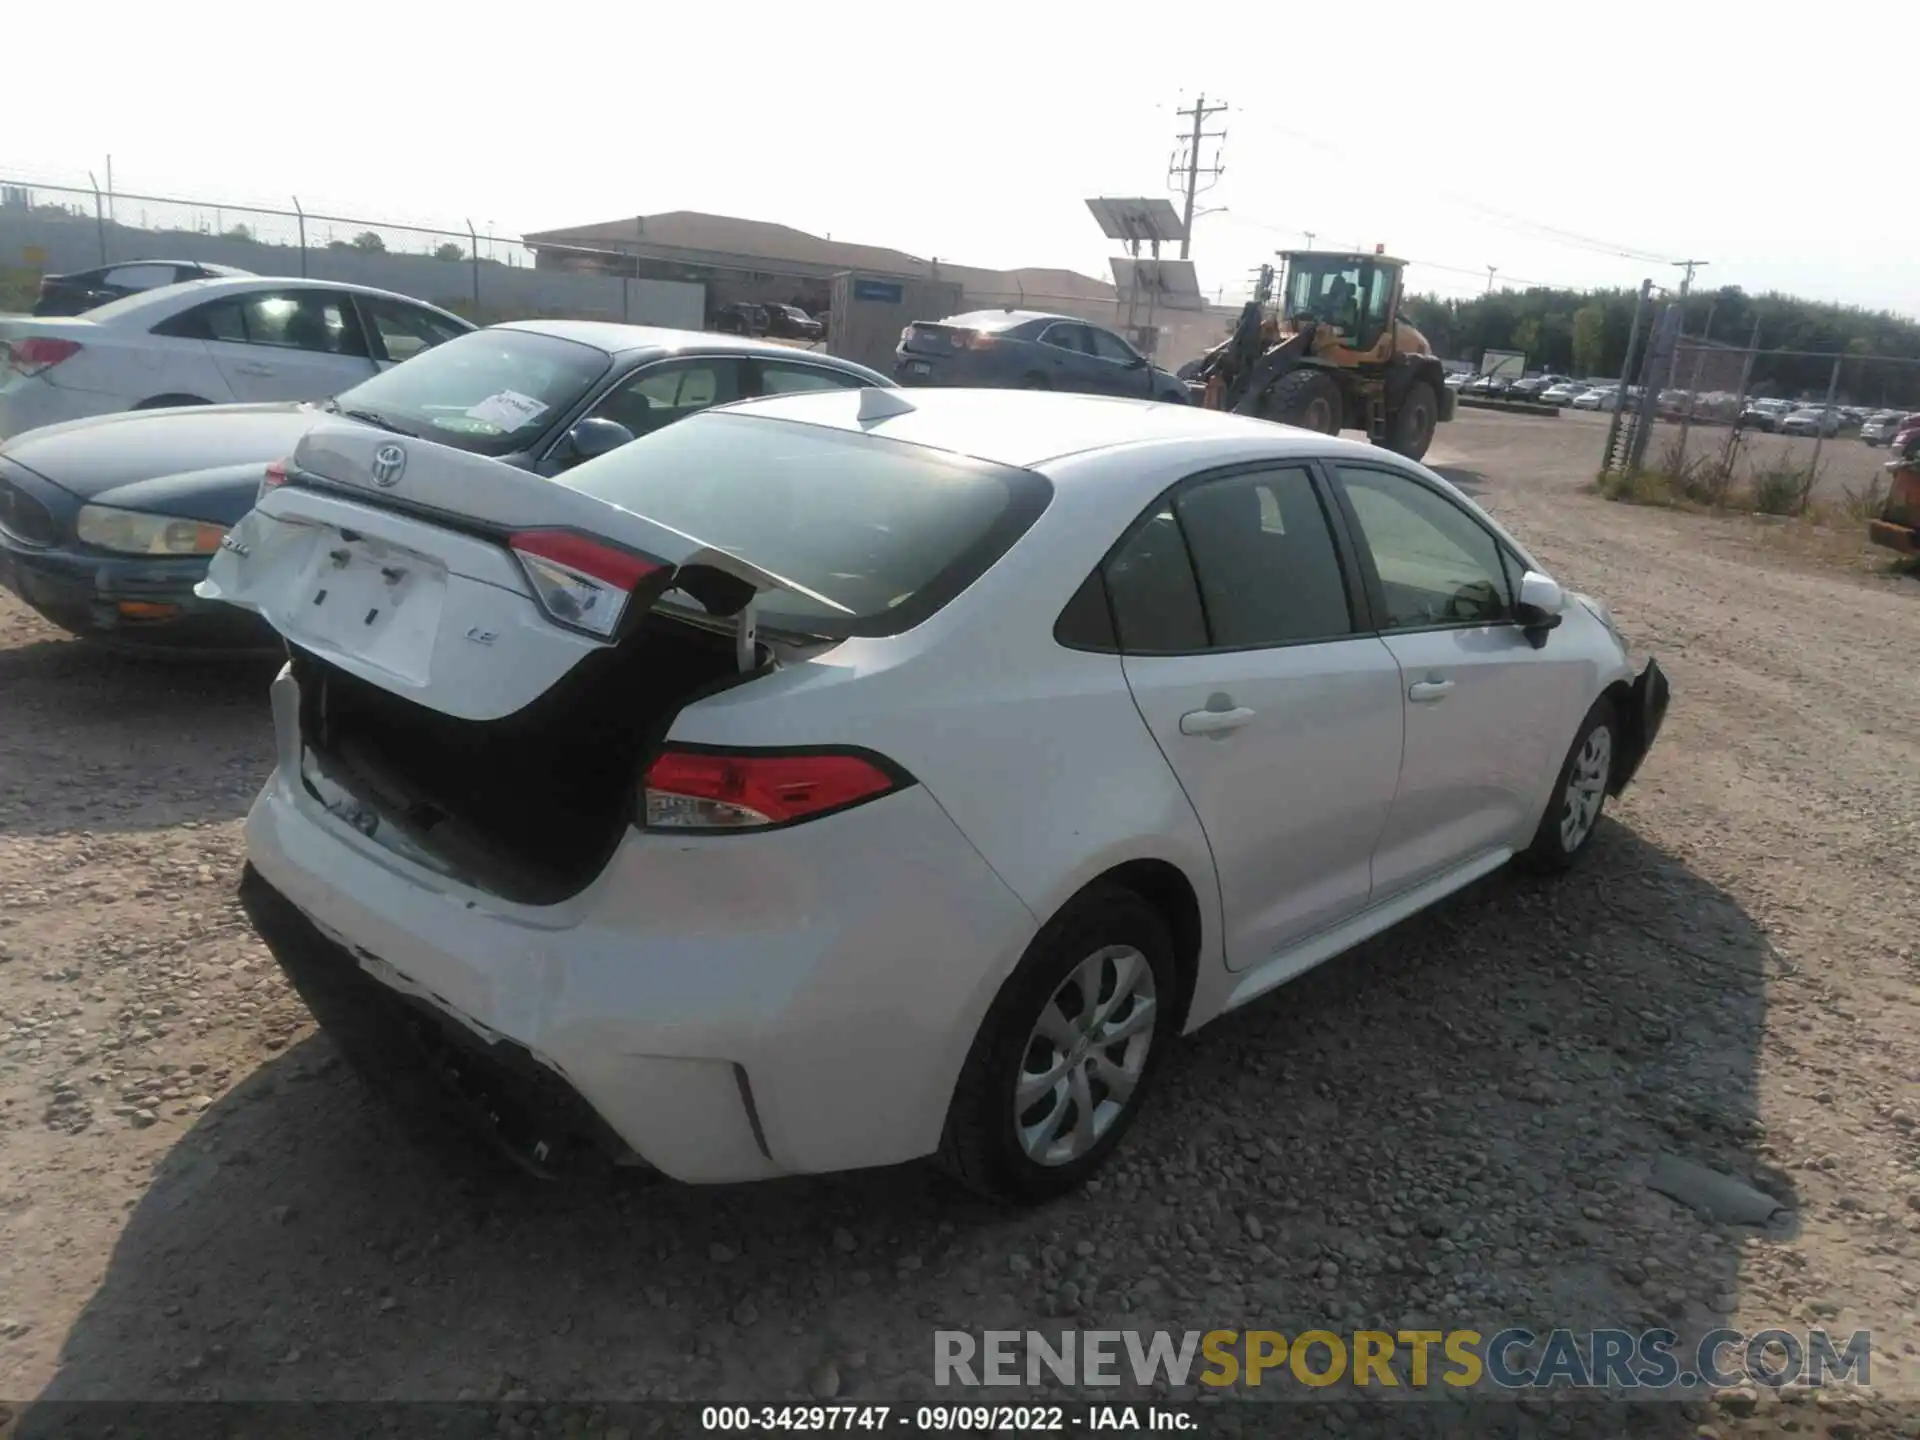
107 524
1029 350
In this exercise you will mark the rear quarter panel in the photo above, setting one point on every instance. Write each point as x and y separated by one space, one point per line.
1036 752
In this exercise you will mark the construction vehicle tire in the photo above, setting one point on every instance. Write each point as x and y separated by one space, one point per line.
1307 398
1410 431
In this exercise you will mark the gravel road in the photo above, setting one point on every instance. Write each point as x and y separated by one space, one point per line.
1452 1127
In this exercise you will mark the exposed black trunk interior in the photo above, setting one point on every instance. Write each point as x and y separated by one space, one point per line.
530 806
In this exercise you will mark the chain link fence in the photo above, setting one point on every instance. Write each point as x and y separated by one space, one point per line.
49 229
1777 431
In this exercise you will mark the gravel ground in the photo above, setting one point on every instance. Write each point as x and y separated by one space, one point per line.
1453 1126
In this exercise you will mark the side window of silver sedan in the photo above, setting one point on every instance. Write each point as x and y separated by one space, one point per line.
1438 566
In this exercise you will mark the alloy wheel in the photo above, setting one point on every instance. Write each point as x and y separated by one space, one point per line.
1085 1056
1586 787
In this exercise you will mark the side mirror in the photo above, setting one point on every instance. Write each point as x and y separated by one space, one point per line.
1540 605
595 436
1139 362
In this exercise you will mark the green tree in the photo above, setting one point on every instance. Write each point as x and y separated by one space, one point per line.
449 251
1590 339
369 242
239 232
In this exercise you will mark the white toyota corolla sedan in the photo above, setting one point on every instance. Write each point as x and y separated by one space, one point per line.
841 778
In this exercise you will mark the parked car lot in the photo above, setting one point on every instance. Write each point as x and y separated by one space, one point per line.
207 342
1810 420
81 290
200 1201
1026 350
106 525
1361 696
1882 425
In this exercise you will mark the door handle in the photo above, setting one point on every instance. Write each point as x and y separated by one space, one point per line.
1426 692
1214 722
251 368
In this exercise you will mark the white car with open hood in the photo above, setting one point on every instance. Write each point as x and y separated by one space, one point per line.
841 778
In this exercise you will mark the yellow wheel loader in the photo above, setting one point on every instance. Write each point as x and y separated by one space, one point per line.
1333 355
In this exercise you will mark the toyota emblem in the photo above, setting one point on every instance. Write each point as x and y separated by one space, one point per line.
389 463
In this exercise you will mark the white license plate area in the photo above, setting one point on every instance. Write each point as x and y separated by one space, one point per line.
376 602
919 367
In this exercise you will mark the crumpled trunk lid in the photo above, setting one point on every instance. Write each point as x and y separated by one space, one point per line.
392 559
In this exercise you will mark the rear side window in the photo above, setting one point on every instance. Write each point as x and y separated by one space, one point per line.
1156 603
1268 569
879 534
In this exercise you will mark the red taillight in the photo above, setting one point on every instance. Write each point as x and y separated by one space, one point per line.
736 790
981 340
580 582
608 564
40 352
275 476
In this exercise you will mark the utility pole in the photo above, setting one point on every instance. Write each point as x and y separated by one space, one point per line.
1686 284
1492 270
1309 235
1193 168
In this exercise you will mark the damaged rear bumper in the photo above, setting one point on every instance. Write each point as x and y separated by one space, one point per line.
498 1088
1646 712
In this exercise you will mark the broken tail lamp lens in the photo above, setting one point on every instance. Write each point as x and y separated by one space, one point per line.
271 479
706 790
581 583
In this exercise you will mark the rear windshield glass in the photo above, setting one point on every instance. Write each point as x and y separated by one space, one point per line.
492 392
886 533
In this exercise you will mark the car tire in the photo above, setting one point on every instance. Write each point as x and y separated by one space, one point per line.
167 402
990 1144
1414 422
1035 381
1307 398
1579 793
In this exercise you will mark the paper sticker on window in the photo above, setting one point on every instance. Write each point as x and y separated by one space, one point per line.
509 410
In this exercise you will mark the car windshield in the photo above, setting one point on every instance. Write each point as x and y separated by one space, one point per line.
883 533
492 392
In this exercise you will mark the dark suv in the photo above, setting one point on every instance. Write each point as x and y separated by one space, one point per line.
790 322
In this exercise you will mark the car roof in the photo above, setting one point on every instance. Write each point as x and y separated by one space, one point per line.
1027 428
206 265
1005 319
167 299
618 339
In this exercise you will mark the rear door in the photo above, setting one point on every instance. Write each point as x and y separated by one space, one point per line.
1065 357
301 343
1235 610
398 331
1119 368
1485 711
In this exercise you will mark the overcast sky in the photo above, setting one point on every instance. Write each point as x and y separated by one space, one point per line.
1538 139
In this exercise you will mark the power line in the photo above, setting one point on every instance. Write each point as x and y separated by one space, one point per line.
1572 238
1194 170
